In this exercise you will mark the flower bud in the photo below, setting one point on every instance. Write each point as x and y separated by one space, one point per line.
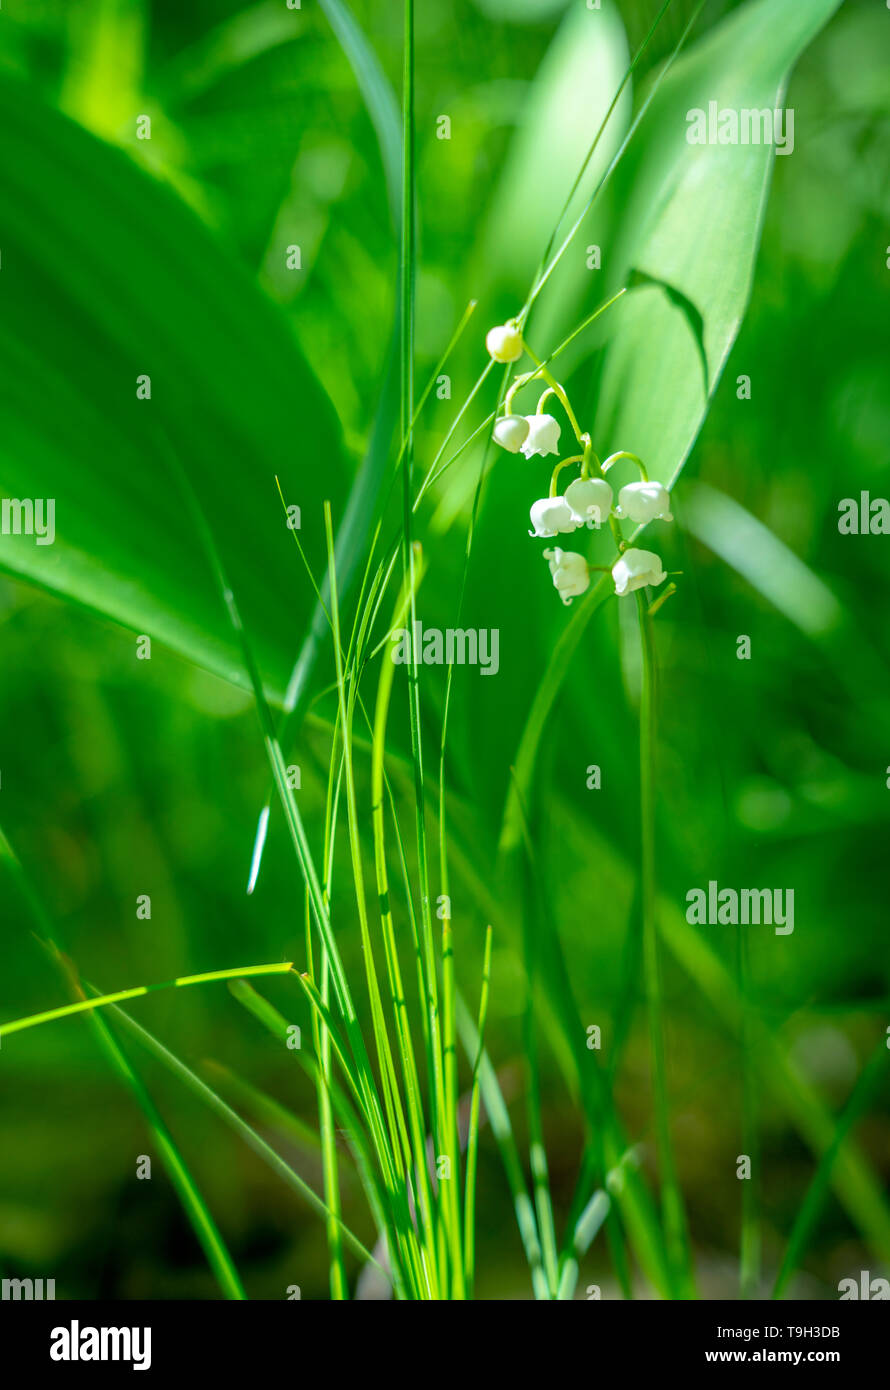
635 569
570 574
550 516
542 437
504 343
642 502
590 500
511 432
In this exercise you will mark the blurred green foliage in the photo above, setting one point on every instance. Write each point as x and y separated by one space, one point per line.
122 777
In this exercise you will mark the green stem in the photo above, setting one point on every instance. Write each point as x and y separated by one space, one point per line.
672 1200
750 1249
576 458
544 371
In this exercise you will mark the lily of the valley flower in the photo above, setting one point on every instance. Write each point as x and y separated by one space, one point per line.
570 574
642 502
542 437
590 499
635 569
504 343
552 515
511 432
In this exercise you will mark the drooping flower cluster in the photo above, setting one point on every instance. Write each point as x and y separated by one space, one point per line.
589 500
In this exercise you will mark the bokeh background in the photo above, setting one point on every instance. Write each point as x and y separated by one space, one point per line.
123 777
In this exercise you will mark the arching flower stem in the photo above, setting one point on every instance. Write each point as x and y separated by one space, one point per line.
623 454
557 391
576 458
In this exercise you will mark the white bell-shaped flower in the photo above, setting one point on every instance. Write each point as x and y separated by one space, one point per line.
542 437
504 343
511 432
635 569
642 502
570 573
550 516
590 500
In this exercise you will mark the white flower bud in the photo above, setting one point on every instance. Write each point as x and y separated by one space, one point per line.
543 436
504 343
590 500
570 573
635 569
642 502
511 432
550 516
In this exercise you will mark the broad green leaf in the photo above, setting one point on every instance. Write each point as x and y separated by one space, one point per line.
106 277
567 102
691 218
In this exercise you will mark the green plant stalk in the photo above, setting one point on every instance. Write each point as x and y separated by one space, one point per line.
392 1217
451 1134
406 1047
354 654
537 1148
672 1200
398 1128
407 283
339 1284
750 1244
370 1105
320 1041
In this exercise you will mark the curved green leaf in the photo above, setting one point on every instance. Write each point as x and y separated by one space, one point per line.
106 277
691 219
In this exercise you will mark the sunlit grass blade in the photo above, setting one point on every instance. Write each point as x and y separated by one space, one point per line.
103 1001
406 1046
